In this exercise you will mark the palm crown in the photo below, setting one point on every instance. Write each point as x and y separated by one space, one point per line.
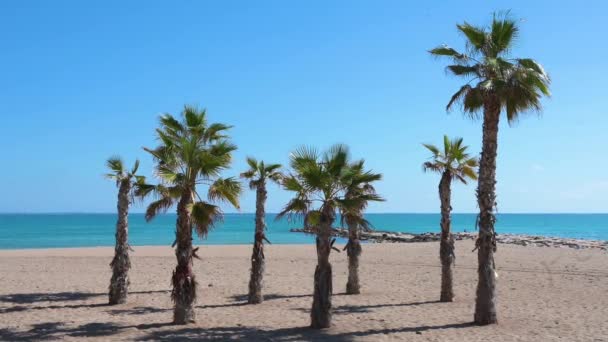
454 160
517 84
120 173
329 180
192 153
359 184
259 172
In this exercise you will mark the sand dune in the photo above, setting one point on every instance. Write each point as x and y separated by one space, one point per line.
545 294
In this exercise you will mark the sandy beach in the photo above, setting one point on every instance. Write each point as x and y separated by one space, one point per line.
545 294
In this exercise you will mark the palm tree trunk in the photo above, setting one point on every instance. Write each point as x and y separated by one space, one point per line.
485 305
121 263
184 283
257 257
446 247
320 316
353 250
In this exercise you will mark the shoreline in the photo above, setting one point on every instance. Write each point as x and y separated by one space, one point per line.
379 236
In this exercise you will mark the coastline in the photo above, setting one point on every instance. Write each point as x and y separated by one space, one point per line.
376 236
91 230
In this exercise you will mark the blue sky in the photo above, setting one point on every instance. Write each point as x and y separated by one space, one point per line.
81 81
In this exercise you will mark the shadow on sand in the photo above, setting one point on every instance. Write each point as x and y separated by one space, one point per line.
271 296
56 330
32 298
285 334
24 300
169 332
348 309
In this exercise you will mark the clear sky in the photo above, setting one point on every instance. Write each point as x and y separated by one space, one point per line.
80 81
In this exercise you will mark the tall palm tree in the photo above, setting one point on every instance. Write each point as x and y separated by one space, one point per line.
358 184
495 83
453 163
126 181
191 153
257 175
319 182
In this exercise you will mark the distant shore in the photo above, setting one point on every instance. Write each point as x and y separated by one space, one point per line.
378 236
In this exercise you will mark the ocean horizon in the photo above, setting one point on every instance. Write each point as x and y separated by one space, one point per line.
61 230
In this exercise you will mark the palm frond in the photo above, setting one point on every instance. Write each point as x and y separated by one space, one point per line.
447 51
168 174
504 31
473 162
248 174
214 132
111 176
522 91
303 156
292 183
476 37
204 217
296 208
157 207
194 117
253 163
366 178
458 96
276 177
434 150
272 168
357 220
312 218
170 124
355 203
460 178
531 64
472 102
225 189
135 167
142 190
115 164
446 145
463 70
469 172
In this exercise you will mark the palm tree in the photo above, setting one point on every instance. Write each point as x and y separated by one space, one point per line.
495 83
358 184
452 163
191 153
126 181
257 175
319 183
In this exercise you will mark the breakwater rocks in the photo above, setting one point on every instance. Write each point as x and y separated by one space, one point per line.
522 240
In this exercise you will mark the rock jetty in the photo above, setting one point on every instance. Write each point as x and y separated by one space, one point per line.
377 236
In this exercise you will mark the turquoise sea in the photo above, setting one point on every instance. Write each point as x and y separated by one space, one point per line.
80 230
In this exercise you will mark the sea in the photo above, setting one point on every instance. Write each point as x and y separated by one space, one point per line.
20 231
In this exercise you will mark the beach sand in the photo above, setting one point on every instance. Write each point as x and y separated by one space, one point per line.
544 294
